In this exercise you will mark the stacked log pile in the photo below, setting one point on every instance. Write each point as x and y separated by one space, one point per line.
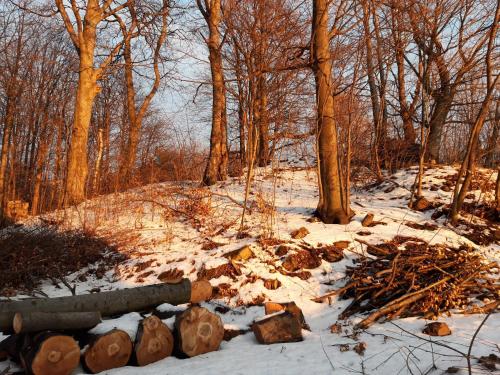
50 332
420 280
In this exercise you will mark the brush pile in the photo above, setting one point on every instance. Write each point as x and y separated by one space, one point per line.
27 257
408 277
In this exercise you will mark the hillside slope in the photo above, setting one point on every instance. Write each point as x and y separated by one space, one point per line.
167 230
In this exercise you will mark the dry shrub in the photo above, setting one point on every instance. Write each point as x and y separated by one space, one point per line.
29 256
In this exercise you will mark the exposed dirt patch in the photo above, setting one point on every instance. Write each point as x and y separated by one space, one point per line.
302 259
226 269
424 226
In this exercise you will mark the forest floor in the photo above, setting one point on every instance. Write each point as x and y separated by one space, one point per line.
163 231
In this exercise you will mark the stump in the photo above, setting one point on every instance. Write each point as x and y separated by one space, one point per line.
39 321
51 354
437 329
198 331
153 342
110 350
282 327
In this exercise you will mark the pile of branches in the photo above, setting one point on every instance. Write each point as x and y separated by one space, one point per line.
408 277
31 255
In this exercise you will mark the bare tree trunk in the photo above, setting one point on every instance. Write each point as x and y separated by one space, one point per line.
242 111
374 94
4 158
468 165
216 169
331 207
497 193
76 177
263 123
406 110
136 114
492 147
98 161
84 37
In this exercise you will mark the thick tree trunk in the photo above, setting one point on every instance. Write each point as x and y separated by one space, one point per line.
438 118
42 321
216 169
443 101
4 156
107 303
331 207
198 331
76 177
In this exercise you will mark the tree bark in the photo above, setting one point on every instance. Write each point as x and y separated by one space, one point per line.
216 169
107 303
76 177
374 92
331 207
41 321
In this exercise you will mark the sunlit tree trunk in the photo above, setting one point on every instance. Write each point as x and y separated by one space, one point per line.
331 207
216 169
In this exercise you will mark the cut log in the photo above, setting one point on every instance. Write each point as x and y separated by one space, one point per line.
41 321
201 291
291 307
153 342
51 354
11 347
281 327
107 303
110 350
198 331
368 220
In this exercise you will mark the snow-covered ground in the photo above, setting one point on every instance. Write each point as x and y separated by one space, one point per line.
164 227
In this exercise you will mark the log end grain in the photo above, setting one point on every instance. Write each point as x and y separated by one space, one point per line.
52 355
198 331
153 342
201 291
108 351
